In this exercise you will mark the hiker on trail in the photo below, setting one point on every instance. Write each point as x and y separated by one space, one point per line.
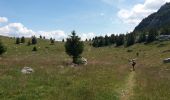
133 64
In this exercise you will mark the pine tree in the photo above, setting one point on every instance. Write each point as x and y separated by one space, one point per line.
2 48
142 38
17 40
34 48
107 40
130 39
34 40
74 47
52 41
23 39
44 37
152 35
165 31
40 37
101 42
112 39
63 40
120 40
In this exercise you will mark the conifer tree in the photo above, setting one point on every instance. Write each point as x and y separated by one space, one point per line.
120 40
17 40
34 40
152 35
130 39
34 48
2 48
74 47
142 38
23 39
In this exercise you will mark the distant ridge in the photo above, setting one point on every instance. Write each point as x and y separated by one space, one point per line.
157 20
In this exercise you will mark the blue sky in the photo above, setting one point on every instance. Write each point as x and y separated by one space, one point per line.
85 16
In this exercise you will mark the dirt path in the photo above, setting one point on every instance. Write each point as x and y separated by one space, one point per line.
127 91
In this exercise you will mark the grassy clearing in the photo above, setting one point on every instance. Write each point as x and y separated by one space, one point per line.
107 71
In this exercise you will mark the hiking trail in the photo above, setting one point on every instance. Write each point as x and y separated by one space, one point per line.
127 91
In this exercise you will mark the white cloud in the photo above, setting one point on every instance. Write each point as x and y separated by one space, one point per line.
56 34
140 11
19 30
85 36
16 29
3 19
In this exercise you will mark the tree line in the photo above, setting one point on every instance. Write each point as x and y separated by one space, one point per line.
126 39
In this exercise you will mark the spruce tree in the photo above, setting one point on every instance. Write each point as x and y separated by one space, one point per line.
112 39
120 40
23 39
63 40
40 37
17 40
74 47
152 35
107 40
142 38
130 39
2 48
34 48
52 41
34 40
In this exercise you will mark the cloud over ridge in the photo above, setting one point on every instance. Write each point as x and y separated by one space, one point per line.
140 11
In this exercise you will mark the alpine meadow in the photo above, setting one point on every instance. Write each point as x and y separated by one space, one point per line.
68 64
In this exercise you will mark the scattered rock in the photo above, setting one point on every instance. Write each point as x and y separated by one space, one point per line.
167 60
83 61
27 70
73 65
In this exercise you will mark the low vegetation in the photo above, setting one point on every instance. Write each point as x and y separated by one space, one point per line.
105 77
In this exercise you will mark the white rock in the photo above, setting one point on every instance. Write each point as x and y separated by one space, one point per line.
167 60
27 70
84 61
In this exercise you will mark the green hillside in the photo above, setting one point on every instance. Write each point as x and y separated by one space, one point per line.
107 76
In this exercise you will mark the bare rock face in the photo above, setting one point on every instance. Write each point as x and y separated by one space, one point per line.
157 20
167 60
27 70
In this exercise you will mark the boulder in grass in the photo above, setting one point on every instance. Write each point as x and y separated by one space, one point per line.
167 60
27 70
82 61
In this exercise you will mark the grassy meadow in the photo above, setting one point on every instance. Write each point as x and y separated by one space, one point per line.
105 76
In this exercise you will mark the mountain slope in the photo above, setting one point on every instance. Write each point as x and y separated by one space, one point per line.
157 20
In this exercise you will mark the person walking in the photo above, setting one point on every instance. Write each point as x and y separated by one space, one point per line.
133 64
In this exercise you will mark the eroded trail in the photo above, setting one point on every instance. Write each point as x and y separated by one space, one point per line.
127 91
